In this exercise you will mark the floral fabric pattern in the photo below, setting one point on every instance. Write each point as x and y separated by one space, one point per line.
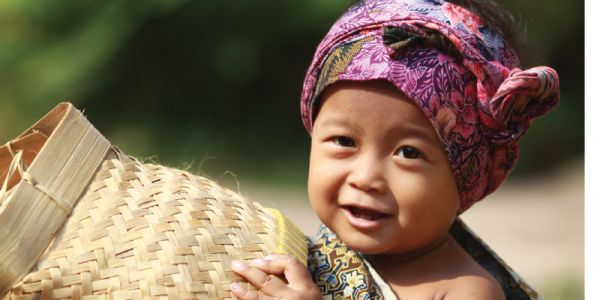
464 76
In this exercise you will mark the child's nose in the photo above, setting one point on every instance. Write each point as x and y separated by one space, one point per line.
368 174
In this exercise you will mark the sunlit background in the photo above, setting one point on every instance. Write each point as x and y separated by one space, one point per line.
214 87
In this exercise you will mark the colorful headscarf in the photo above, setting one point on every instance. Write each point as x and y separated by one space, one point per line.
461 73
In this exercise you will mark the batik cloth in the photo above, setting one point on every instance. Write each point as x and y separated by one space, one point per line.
342 273
463 75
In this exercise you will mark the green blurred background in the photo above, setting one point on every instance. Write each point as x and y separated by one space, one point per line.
219 82
188 80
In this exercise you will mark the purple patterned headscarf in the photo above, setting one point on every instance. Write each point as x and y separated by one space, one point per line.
461 73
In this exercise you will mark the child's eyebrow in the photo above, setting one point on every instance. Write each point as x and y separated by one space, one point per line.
418 131
341 123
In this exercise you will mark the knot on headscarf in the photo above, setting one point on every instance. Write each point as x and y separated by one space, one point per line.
463 75
522 97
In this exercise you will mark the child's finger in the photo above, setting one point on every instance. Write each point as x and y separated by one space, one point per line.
260 280
245 294
295 272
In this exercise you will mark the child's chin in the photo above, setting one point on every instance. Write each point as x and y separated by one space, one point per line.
364 244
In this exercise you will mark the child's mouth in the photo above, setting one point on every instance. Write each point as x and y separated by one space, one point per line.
365 214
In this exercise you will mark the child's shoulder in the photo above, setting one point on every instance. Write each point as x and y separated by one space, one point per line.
473 284
465 279
447 273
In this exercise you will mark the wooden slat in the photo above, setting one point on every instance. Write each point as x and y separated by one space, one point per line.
65 166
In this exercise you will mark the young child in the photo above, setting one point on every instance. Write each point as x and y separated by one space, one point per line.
415 108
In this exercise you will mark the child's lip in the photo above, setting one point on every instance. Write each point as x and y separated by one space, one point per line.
363 223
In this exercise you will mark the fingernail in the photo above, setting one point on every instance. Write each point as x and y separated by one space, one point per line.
237 265
268 257
258 261
235 287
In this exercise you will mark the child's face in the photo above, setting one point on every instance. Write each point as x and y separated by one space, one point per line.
379 176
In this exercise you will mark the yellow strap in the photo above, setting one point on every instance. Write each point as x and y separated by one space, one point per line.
286 243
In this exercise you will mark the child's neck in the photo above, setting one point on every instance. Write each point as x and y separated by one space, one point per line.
433 256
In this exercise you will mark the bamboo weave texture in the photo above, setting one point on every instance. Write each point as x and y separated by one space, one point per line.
145 231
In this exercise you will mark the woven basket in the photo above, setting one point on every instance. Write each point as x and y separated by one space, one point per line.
80 220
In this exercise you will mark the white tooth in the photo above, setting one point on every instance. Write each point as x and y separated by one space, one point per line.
369 218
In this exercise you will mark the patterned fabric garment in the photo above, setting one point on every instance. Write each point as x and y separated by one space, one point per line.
338 271
342 273
463 75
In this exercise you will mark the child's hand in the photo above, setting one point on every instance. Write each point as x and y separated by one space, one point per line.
300 282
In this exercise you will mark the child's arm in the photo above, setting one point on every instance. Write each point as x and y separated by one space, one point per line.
300 284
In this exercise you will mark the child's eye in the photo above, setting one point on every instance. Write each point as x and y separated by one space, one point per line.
344 141
408 152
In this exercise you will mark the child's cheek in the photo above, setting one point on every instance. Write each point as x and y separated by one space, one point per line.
428 196
324 182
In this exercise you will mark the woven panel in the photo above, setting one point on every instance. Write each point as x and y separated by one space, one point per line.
150 232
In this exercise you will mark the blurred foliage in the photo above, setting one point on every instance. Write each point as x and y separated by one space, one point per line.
193 80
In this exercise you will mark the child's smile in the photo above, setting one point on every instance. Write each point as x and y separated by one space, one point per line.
379 176
365 218
364 213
